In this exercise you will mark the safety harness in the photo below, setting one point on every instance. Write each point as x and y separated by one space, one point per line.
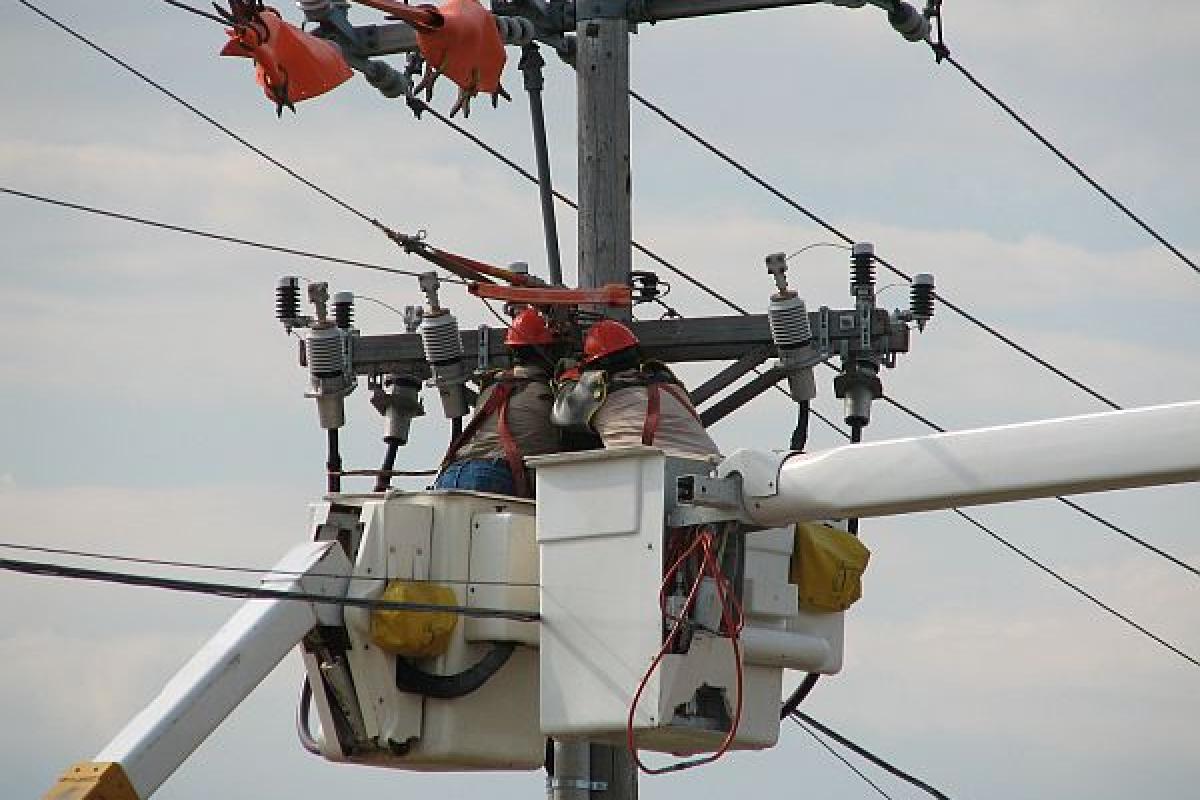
497 404
655 377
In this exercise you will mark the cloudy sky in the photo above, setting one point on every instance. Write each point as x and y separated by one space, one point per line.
152 406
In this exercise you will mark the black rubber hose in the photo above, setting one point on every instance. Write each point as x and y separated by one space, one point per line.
411 678
793 702
800 434
307 740
384 481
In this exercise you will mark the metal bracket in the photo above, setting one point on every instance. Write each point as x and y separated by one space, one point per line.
576 783
702 499
600 9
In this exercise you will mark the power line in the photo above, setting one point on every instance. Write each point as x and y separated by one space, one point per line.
1076 588
789 201
1064 581
878 790
755 178
206 117
159 562
1067 160
219 237
253 592
801 718
529 176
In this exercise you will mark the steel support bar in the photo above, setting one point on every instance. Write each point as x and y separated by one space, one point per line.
670 340
655 10
739 397
733 372
1151 446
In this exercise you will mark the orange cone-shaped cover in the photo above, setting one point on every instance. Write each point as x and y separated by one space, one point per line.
458 39
291 65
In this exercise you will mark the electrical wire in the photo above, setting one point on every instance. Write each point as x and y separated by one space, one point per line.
206 117
1046 569
802 719
219 237
253 592
1070 163
878 790
780 195
529 176
159 562
722 155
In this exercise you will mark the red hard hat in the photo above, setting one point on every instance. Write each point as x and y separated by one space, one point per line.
605 338
529 328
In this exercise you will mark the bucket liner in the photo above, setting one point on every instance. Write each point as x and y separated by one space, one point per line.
291 65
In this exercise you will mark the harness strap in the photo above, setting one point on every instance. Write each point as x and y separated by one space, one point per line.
679 394
653 407
497 403
511 453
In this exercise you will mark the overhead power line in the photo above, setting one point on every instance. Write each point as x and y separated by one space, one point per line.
219 237
812 216
878 789
755 178
801 718
1043 567
1070 163
159 562
252 592
206 117
529 176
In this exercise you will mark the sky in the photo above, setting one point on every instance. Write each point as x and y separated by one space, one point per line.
152 406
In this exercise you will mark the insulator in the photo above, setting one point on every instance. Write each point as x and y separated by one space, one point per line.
343 310
789 322
389 81
515 30
862 266
921 299
908 22
287 300
326 356
439 336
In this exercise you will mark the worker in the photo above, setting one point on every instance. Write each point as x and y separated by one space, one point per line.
628 400
511 420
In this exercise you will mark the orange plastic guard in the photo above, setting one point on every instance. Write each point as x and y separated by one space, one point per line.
613 294
291 65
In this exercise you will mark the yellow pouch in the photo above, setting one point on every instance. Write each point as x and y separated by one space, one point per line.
827 567
415 634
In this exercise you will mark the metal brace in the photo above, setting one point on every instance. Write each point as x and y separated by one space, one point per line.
702 499
576 783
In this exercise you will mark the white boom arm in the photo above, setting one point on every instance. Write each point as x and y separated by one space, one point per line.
1073 455
215 680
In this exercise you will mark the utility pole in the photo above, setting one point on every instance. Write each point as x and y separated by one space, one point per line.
586 770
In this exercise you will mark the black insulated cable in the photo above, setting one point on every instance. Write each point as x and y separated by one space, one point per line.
217 237
1070 163
253 592
801 717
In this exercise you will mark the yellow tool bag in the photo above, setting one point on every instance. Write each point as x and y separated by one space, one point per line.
827 567
415 634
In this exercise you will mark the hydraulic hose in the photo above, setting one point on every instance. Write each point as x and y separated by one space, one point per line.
411 678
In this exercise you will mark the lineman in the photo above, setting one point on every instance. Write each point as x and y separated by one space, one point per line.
627 400
511 420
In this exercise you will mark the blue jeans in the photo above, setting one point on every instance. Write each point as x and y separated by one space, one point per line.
481 475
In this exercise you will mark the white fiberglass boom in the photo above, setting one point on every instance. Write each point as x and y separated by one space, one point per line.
1073 455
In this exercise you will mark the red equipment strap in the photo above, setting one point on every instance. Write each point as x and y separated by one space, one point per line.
613 294
497 403
650 426
654 408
